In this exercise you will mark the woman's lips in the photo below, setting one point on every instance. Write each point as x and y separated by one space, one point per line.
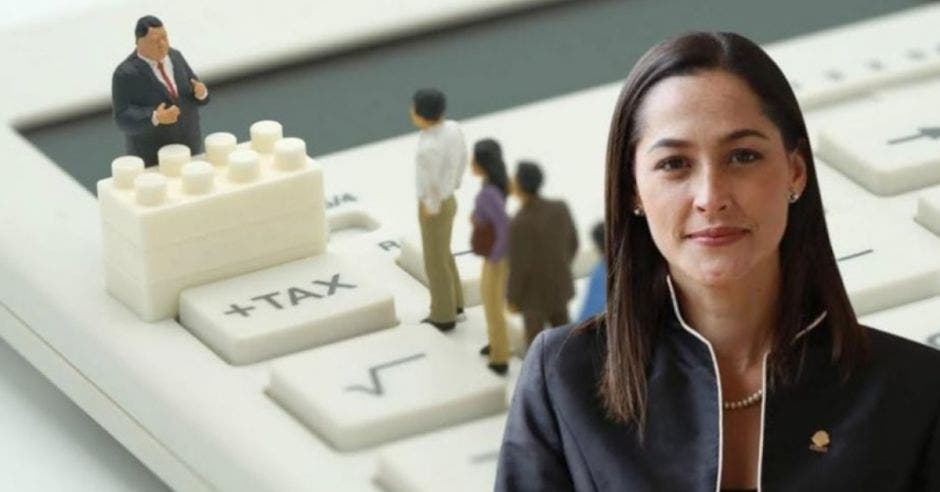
717 236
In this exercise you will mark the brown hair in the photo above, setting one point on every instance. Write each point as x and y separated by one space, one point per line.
638 302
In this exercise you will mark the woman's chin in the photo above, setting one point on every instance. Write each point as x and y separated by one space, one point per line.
716 275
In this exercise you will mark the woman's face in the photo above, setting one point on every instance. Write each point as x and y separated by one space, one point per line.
713 177
475 168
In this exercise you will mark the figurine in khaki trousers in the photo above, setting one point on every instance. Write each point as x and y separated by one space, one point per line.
489 213
440 163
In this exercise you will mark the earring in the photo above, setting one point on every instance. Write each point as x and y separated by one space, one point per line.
638 212
793 196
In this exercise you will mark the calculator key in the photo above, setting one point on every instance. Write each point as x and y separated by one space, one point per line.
840 194
918 321
468 264
845 71
884 264
348 210
384 386
890 146
286 308
928 210
470 467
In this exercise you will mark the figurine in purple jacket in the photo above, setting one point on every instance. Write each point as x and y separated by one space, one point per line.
490 209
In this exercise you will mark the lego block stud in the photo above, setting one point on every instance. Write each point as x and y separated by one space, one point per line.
218 146
198 177
124 169
150 189
264 134
243 165
172 157
290 153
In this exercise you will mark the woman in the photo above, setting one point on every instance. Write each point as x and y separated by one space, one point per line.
490 209
729 356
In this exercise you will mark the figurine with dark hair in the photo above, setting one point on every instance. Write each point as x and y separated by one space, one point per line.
596 298
543 241
155 95
729 356
440 163
490 211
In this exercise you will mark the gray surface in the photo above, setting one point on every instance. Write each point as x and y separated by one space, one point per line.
362 96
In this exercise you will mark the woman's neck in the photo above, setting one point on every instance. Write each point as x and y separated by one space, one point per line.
736 318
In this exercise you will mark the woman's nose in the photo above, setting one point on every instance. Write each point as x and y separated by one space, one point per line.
712 191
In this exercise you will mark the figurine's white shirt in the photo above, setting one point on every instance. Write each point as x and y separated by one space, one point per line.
440 161
167 66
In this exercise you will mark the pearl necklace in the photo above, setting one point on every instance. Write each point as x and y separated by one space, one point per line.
751 399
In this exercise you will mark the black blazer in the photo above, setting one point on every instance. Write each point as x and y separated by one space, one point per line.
136 92
884 422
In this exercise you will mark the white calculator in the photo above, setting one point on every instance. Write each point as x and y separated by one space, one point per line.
293 358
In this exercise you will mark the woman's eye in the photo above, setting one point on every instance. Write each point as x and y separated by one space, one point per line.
743 156
671 164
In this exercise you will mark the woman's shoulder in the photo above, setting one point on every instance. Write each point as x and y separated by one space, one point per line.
574 350
887 348
907 360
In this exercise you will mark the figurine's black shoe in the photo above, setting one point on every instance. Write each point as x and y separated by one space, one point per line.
498 368
442 326
459 311
485 350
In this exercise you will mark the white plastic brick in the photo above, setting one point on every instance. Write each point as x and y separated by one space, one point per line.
215 250
183 216
192 221
160 300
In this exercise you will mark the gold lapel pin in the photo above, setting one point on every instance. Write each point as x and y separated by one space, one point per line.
820 441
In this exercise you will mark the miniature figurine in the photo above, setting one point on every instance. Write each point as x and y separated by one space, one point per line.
490 214
542 243
441 160
156 95
596 299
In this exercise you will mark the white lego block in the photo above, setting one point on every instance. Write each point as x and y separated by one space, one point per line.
216 250
244 165
218 146
264 134
160 300
150 189
189 222
198 178
286 308
125 169
183 216
290 153
172 157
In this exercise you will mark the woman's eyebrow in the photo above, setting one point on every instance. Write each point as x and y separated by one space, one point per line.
735 135
744 132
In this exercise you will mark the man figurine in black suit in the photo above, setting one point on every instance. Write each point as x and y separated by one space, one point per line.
156 96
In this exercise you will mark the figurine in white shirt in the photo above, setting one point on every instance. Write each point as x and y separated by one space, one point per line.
440 163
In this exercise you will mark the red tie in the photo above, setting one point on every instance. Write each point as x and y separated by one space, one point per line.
166 80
